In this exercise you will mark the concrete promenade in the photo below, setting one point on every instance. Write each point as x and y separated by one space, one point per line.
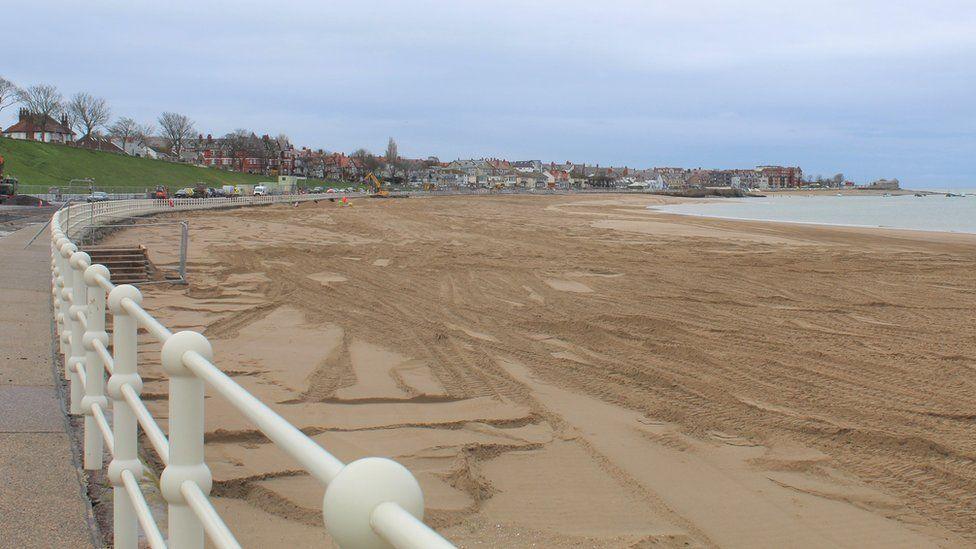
41 501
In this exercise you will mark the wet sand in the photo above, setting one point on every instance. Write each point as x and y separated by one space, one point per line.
580 371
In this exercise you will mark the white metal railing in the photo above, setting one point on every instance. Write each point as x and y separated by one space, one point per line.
371 502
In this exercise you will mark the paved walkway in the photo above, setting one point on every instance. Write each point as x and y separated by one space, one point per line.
41 502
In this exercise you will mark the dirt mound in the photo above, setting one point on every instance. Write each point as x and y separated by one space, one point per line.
26 200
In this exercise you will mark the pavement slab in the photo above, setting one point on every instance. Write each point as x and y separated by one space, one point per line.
42 502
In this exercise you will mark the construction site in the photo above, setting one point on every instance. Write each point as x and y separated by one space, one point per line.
563 371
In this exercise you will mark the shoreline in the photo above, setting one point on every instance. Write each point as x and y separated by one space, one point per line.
812 223
662 209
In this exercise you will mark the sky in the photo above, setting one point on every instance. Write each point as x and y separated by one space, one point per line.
868 88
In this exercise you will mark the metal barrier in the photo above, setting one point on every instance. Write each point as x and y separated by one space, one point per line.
371 502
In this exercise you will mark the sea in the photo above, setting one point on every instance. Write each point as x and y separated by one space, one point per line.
934 212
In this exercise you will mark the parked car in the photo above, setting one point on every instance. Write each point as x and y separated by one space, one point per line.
97 196
260 190
185 192
317 190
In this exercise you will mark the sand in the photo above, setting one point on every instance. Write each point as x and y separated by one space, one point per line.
580 371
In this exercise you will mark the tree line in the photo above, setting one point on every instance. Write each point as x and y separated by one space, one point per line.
90 115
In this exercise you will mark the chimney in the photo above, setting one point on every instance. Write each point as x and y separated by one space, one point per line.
22 115
64 121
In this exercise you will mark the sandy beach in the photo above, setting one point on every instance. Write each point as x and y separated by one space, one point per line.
563 371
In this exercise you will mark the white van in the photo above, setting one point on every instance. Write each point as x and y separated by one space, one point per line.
260 190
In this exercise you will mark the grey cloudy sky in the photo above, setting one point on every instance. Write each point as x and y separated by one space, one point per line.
869 88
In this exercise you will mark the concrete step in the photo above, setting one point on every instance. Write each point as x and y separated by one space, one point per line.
128 265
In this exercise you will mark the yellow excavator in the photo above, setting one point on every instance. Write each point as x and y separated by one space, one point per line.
376 187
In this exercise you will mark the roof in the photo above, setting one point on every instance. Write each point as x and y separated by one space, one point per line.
30 124
97 143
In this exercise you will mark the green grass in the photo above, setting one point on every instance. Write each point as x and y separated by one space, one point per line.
42 165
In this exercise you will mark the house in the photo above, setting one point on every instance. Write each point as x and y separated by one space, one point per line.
98 143
556 178
31 127
746 179
135 147
339 167
527 166
450 177
530 180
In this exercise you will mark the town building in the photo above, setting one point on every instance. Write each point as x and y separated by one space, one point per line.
36 127
779 177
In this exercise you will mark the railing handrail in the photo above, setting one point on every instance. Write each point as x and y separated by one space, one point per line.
371 502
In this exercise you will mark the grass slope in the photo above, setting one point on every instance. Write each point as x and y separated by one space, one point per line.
39 165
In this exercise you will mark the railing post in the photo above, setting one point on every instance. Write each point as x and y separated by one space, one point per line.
73 331
186 430
94 367
124 425
184 242
62 310
57 284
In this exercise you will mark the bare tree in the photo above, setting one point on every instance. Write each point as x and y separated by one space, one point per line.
176 129
144 132
125 130
42 100
89 112
283 141
8 93
238 140
73 121
366 159
243 143
391 152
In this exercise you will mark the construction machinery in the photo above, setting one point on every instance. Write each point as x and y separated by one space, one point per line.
8 185
160 192
8 189
376 187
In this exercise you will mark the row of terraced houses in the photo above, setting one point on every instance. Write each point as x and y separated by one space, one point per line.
277 156
273 157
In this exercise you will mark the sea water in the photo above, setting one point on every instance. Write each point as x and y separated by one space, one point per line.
927 213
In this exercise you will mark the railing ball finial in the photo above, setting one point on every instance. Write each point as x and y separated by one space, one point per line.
357 490
91 274
119 293
67 249
79 258
178 345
